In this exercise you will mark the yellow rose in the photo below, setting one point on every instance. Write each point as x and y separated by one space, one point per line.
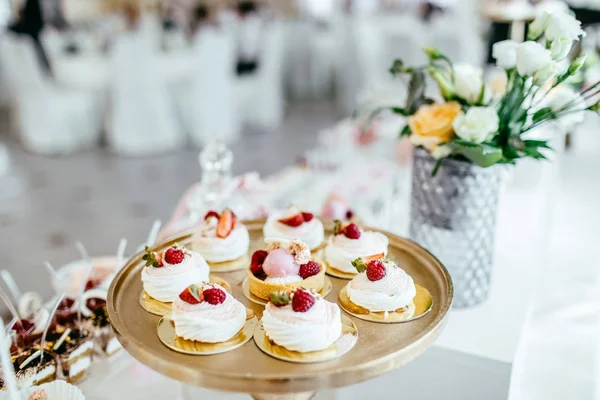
432 124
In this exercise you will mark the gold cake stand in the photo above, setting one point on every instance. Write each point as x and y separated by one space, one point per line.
381 347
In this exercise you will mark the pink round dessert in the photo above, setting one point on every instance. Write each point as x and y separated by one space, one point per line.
280 263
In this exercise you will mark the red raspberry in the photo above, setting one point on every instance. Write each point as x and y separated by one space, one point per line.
349 214
214 296
302 301
307 216
309 269
258 258
352 232
375 270
173 255
189 297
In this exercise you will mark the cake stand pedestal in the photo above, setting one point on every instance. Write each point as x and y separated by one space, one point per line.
380 348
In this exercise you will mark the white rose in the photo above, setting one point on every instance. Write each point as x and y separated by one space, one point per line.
468 81
505 53
546 74
560 48
562 25
442 151
477 125
532 57
538 26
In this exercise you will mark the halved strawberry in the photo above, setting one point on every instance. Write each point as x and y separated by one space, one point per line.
226 223
292 220
373 257
307 216
210 214
191 295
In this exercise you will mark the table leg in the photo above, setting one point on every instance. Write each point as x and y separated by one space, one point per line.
283 396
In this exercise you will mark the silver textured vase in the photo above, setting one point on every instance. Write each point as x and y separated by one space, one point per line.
453 215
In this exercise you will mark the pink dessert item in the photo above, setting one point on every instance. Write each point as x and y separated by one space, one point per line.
280 263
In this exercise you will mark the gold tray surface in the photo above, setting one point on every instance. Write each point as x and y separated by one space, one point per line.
380 348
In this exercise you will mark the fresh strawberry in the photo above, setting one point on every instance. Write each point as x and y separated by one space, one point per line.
302 301
258 258
309 269
226 223
307 216
292 220
152 258
352 231
375 270
211 214
377 256
191 295
214 296
174 255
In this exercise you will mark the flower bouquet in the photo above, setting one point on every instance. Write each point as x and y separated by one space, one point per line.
462 140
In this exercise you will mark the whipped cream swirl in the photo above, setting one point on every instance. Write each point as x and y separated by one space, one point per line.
313 330
216 249
312 233
395 290
166 283
208 323
341 251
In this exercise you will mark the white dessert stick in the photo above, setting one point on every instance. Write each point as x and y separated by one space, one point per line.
153 233
120 254
11 306
90 266
50 269
10 324
11 284
8 371
59 299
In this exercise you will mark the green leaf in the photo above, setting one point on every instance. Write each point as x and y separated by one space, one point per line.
483 154
337 227
544 113
536 144
359 265
194 292
405 131
400 111
279 299
416 91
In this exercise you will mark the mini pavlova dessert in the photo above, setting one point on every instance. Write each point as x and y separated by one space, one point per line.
207 313
222 240
381 285
349 242
284 265
167 274
301 321
295 224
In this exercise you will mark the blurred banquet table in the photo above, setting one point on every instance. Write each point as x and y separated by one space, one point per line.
93 71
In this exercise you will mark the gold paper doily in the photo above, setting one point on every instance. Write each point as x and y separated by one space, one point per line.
166 334
343 345
422 303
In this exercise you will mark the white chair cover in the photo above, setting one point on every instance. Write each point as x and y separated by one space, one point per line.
141 121
51 120
209 107
261 94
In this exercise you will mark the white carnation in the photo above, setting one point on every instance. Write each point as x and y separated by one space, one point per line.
532 57
538 26
468 81
477 125
505 53
546 74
